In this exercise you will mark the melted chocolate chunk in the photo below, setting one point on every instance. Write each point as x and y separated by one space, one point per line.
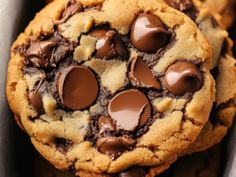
183 77
40 52
48 52
40 48
185 6
105 123
72 8
36 101
130 109
108 44
77 87
40 63
148 33
182 5
63 144
60 53
114 146
134 172
142 76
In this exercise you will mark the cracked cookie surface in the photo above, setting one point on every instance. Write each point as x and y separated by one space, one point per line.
223 71
75 74
205 164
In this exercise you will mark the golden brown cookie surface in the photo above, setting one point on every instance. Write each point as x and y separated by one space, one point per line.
70 79
223 70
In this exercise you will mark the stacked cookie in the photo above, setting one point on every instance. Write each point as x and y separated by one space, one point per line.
122 87
225 9
206 163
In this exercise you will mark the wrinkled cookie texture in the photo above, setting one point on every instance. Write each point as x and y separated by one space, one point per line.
223 70
95 86
205 164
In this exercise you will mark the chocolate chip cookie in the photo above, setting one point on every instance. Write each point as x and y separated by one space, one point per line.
224 109
221 118
223 70
101 88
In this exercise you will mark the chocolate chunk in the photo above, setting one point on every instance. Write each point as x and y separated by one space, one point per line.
105 123
63 144
39 62
129 109
134 172
181 5
71 9
36 100
61 52
77 87
108 44
183 77
40 48
148 33
185 6
114 146
40 52
142 75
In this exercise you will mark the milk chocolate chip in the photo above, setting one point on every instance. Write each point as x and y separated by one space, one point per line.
71 9
129 109
142 75
105 123
40 52
181 5
114 146
185 6
133 172
108 44
36 101
77 87
40 63
183 77
148 34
